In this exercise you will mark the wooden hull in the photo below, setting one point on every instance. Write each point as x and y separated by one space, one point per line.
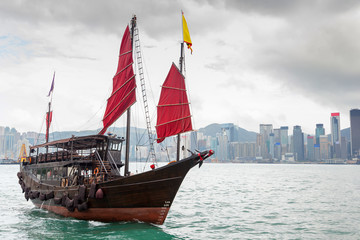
150 215
145 197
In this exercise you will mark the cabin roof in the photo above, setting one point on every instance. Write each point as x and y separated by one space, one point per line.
84 142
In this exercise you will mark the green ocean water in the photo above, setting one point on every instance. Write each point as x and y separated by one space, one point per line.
217 201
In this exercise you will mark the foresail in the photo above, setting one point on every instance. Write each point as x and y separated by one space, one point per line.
123 94
173 112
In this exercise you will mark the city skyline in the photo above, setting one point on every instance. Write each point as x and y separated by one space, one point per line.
278 63
270 143
283 128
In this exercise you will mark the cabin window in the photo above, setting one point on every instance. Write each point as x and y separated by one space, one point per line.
114 146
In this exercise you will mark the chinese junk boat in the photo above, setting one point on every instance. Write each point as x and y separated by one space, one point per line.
80 177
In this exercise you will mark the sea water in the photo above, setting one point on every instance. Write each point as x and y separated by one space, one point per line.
217 201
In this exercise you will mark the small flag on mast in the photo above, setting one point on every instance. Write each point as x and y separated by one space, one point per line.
52 86
186 34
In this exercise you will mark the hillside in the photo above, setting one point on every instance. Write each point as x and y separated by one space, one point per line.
243 134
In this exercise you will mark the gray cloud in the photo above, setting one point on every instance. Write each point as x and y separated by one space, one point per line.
315 52
309 47
321 62
93 15
285 7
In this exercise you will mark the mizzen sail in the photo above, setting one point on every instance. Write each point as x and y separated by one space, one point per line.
173 112
123 94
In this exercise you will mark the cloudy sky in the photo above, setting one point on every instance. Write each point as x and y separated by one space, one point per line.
281 62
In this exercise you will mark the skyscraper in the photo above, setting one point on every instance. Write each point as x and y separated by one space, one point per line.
193 141
310 148
271 144
320 130
298 138
324 147
231 131
223 151
277 134
284 139
265 130
335 129
355 132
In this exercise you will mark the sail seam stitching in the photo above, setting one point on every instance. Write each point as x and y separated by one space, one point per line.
125 53
123 69
174 88
119 103
173 121
122 86
175 104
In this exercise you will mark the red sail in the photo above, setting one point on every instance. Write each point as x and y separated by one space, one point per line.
173 113
123 94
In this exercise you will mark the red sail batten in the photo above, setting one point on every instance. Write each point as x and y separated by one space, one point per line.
123 94
173 112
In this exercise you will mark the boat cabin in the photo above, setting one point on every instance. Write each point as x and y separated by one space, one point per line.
76 160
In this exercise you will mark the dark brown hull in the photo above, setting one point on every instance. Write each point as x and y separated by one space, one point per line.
150 215
145 197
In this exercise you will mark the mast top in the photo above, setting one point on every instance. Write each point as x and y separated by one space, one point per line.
133 21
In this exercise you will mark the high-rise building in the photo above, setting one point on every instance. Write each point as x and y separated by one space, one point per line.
214 144
271 144
355 132
277 144
310 148
258 145
223 152
298 139
242 150
193 141
335 129
317 152
319 130
344 145
265 130
284 139
231 131
324 147
277 151
277 135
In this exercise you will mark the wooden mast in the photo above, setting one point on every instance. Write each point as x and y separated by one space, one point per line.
48 116
181 60
128 112
47 123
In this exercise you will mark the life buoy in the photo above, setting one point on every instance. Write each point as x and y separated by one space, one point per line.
96 171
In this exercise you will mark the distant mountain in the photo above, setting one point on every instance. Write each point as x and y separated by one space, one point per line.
139 135
211 130
246 136
243 134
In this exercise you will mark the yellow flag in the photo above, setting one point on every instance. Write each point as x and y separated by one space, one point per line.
186 33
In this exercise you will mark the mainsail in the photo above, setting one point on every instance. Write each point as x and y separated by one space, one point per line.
173 113
123 94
